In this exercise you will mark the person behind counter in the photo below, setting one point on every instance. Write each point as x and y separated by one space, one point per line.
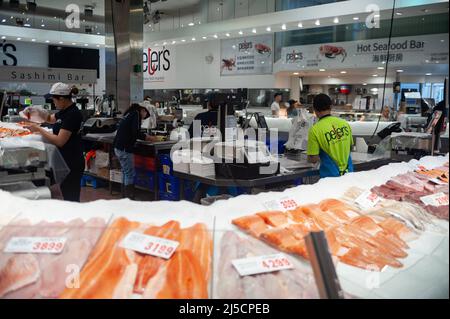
66 135
128 132
292 110
275 107
208 119
330 141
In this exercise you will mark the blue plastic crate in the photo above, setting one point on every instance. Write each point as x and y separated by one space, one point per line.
165 164
168 197
190 188
169 185
91 181
144 179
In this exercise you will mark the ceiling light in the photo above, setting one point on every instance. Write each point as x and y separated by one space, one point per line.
165 43
377 16
193 39
300 25
183 40
73 43
364 84
283 27
241 33
27 25
343 72
374 75
442 40
215 36
98 33
296 73
173 42
269 29
426 10
98 45
86 45
228 35
380 68
317 22
204 38
47 41
399 13
336 20
356 18
191 24
400 71
4 20
3 37
428 74
254 31
18 39
322 70
43 25
60 42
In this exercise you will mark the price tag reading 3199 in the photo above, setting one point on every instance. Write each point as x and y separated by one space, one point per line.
150 245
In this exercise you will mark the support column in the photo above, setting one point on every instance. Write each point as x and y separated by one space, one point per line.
124 49
295 88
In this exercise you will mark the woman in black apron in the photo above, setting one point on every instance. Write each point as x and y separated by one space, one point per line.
66 135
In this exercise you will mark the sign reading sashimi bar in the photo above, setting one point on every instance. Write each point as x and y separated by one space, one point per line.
29 74
414 50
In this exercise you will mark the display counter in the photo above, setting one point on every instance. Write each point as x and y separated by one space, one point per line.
210 238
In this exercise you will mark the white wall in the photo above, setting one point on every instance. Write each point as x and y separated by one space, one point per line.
36 55
193 72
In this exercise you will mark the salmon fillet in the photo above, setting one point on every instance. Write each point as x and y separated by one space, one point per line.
184 278
107 264
284 239
274 219
308 224
253 224
148 265
197 239
396 227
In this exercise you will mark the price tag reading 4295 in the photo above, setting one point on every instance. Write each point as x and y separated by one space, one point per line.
262 264
35 245
150 245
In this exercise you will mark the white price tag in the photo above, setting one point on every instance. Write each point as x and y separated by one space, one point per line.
150 245
35 245
282 205
368 200
439 199
437 181
262 264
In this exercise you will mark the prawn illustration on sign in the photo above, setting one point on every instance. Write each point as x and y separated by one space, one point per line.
263 49
332 52
228 64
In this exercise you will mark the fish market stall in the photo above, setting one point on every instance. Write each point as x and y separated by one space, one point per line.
28 165
387 230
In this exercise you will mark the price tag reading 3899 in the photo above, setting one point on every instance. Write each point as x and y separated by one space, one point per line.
150 245
35 245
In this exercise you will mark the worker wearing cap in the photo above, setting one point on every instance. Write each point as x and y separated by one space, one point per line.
128 132
66 135
330 140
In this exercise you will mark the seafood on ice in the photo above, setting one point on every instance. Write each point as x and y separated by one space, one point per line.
26 275
354 238
115 272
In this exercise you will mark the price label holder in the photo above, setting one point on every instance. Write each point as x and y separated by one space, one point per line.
438 181
150 245
261 264
282 205
439 199
35 245
368 200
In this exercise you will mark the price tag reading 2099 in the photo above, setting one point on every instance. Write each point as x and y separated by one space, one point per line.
262 264
150 245
35 245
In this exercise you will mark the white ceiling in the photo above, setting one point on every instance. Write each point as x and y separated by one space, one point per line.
62 4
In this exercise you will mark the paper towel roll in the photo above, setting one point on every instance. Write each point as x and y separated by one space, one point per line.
361 145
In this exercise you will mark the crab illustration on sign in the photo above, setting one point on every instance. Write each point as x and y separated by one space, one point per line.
332 52
228 64
263 49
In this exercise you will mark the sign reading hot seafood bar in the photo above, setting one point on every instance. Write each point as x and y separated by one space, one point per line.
414 50
31 74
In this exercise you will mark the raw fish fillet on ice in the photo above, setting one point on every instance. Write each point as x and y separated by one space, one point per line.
274 219
253 224
297 283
